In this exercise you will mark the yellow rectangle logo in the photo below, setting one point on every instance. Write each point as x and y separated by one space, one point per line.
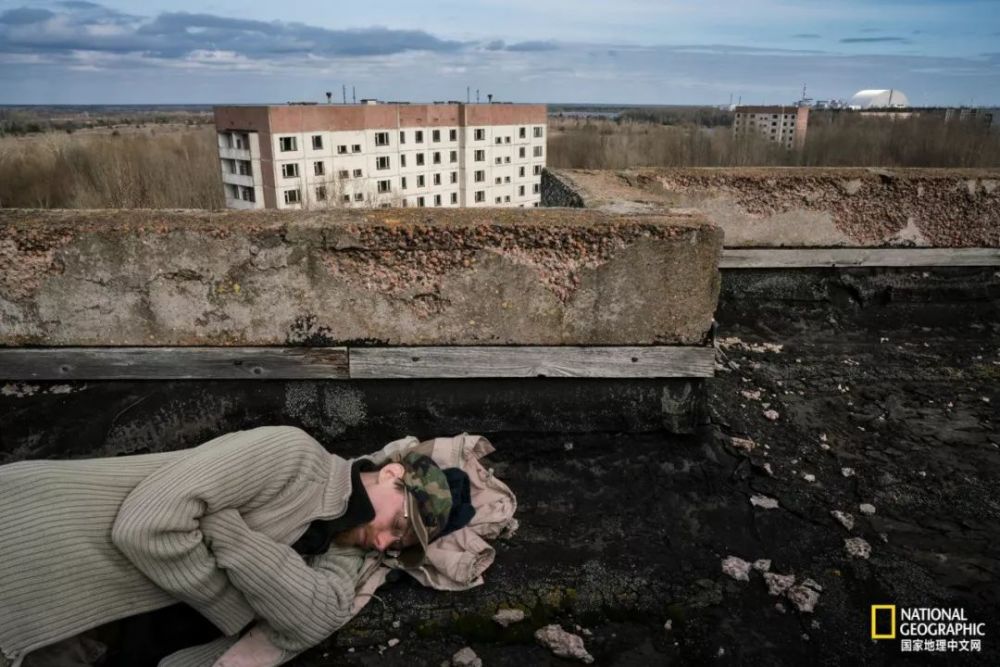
891 608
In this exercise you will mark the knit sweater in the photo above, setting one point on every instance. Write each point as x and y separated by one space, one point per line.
86 542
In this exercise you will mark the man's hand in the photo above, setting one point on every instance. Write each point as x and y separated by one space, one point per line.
253 650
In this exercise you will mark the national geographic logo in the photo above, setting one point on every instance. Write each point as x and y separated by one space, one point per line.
931 629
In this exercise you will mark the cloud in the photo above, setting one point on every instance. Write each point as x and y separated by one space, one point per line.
806 35
495 45
873 40
534 46
25 16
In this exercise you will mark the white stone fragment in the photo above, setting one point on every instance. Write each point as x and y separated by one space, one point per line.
563 644
847 472
764 502
867 509
507 616
750 395
809 477
743 444
778 583
771 415
466 657
737 568
669 625
762 565
392 642
846 520
803 597
857 547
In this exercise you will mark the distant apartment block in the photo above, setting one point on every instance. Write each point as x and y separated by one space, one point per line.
381 155
782 125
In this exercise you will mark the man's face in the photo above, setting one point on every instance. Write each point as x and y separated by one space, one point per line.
390 528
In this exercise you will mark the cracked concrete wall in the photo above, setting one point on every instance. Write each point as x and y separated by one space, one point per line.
806 206
399 277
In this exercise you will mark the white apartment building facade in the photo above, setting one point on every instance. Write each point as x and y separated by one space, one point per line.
382 155
782 125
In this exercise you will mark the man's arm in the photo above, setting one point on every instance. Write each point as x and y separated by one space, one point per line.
301 604
157 527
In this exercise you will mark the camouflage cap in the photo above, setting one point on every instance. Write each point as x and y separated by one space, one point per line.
428 498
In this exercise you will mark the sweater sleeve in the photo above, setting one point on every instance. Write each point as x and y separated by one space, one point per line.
301 604
157 527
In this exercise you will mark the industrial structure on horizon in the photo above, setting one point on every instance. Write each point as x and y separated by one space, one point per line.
308 156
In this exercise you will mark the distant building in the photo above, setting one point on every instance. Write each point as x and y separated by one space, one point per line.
375 154
784 125
879 99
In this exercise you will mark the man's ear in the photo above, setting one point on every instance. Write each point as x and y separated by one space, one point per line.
391 471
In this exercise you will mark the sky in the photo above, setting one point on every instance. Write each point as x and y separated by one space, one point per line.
938 52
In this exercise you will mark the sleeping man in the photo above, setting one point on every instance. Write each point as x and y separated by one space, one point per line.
261 529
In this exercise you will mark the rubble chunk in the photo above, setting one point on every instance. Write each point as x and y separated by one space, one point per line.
847 472
466 657
563 644
743 444
778 583
772 415
392 642
846 520
762 564
857 547
867 509
737 568
750 395
809 477
507 616
803 597
764 502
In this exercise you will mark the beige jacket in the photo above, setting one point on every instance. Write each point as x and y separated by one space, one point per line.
454 562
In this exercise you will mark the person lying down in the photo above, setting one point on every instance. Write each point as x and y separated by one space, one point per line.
260 543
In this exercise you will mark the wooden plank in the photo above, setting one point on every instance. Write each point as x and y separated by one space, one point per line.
787 258
541 361
173 363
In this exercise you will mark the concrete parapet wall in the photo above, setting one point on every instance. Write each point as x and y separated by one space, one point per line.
805 206
399 277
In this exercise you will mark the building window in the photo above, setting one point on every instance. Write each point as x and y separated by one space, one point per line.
292 196
453 156
356 148
497 181
521 152
321 193
522 132
499 140
357 173
437 200
453 136
287 144
420 201
381 138
479 134
498 200
244 168
385 186
536 170
317 142
506 139
406 202
420 159
507 159
341 149
454 177
402 160
402 183
499 160
437 157
537 132
479 176
290 170
506 198
347 199
421 181
520 172
520 191
506 179
358 196
402 140
247 194
420 136
537 151
435 135
437 179
454 197
535 188
382 162
479 156
318 168
480 195
343 173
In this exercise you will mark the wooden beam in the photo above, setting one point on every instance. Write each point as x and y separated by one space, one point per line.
508 362
173 363
790 258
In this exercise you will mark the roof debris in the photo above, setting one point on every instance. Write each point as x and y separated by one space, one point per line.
743 444
867 509
858 547
737 568
803 597
562 643
507 616
771 414
762 564
778 583
466 657
763 502
846 519
847 472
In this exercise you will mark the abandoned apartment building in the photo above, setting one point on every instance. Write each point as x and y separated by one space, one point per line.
783 125
374 154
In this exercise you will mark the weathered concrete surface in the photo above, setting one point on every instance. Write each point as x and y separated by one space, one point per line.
806 206
401 277
881 371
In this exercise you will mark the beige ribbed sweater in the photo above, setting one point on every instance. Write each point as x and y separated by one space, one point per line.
86 542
